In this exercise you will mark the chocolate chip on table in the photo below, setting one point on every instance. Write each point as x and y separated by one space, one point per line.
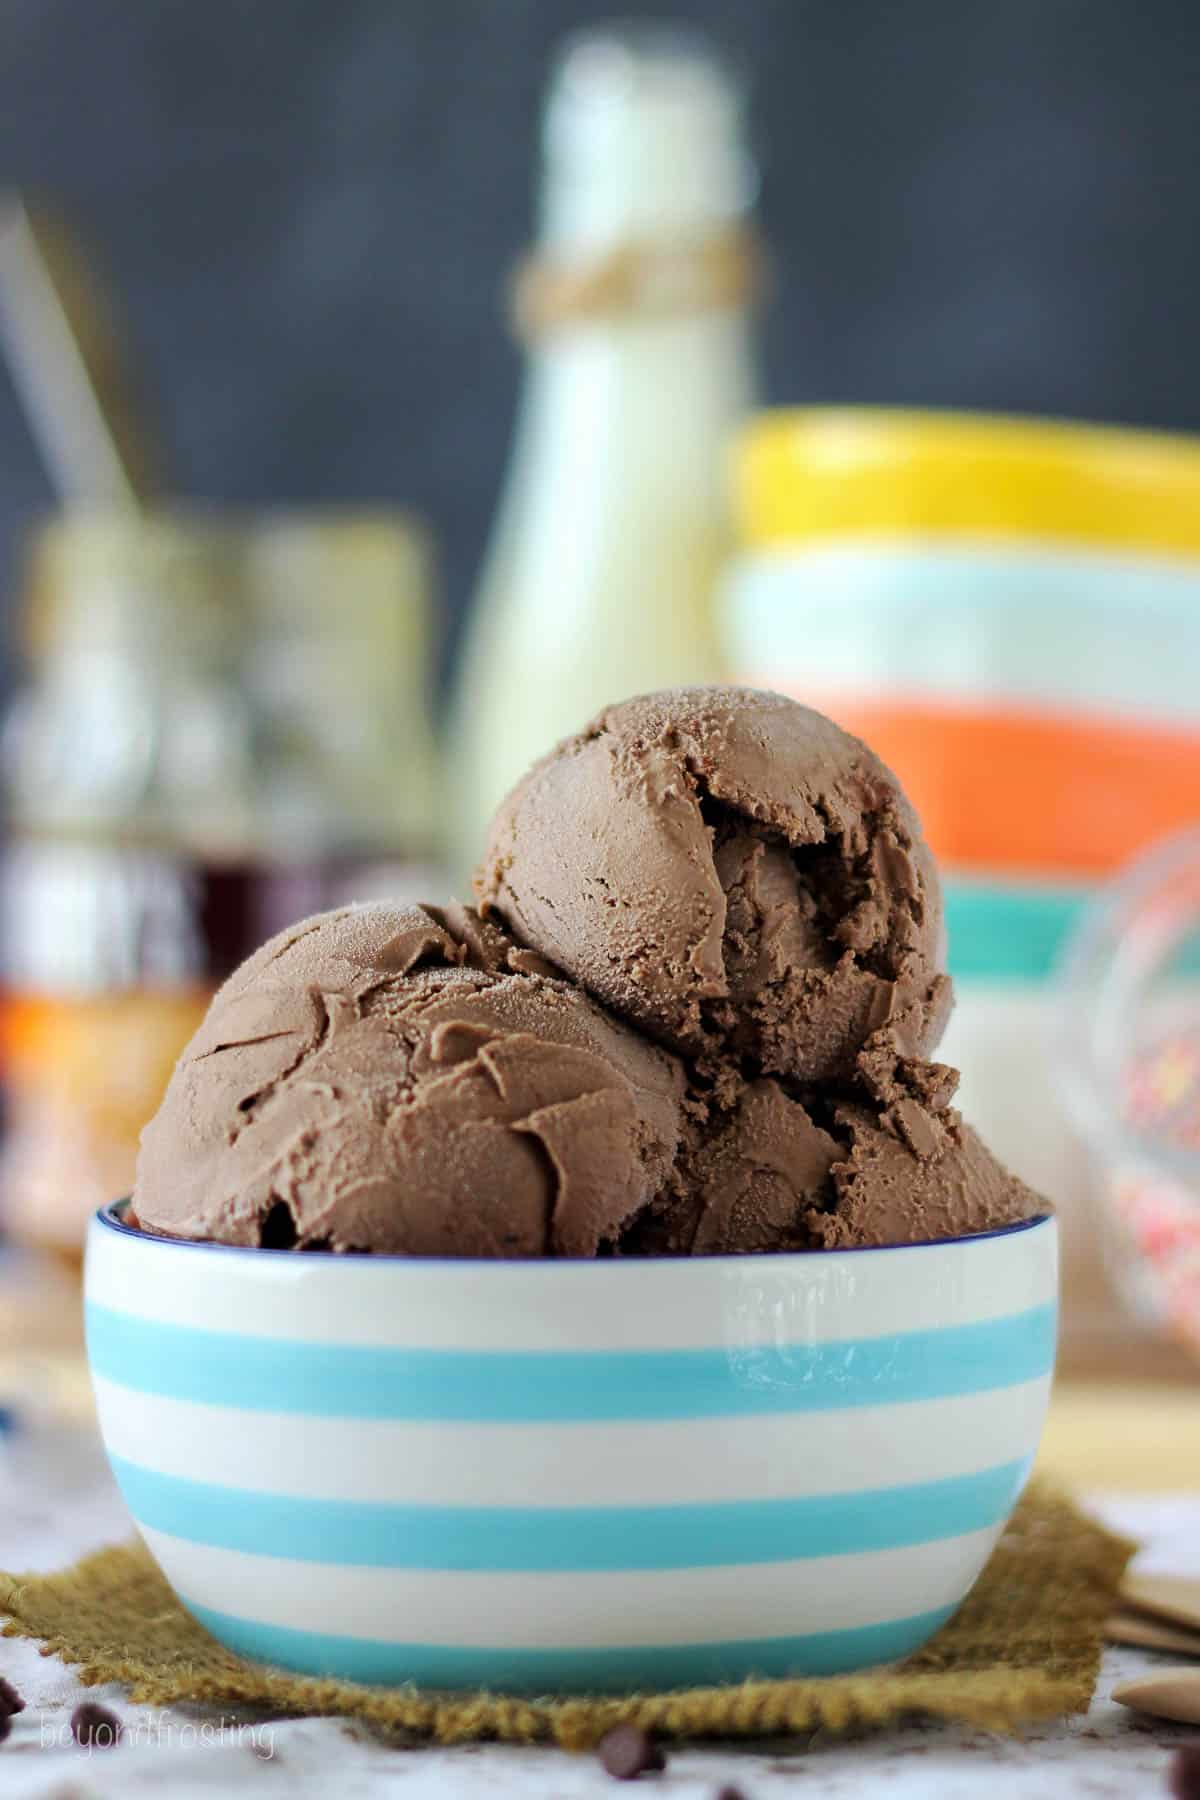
10 1700
627 1751
94 1726
729 1792
1183 1773
5 1725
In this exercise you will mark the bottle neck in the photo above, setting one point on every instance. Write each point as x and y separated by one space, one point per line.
588 213
646 236
643 143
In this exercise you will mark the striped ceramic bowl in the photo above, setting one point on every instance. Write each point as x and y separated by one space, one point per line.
571 1476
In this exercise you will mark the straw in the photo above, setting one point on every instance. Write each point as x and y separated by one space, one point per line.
64 361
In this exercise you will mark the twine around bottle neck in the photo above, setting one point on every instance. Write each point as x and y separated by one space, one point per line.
717 271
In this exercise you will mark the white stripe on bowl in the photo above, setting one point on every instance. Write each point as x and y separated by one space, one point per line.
883 614
586 1611
661 1304
639 1463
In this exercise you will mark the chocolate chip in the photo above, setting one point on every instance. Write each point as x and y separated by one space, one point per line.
1183 1773
10 1700
627 1752
94 1726
729 1793
5 1725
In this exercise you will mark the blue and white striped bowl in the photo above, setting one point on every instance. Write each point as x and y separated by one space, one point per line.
571 1476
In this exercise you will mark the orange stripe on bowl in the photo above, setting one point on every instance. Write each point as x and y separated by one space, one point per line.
1016 791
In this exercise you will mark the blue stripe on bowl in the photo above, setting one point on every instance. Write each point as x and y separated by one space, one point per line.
1008 933
606 1670
282 1375
567 1539
1017 932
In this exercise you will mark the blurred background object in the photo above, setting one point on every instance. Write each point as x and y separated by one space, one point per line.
1009 612
224 727
1129 1043
64 355
128 775
338 676
635 307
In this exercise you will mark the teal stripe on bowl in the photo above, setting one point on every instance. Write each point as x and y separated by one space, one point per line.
611 1671
261 1374
1008 933
1017 933
504 1539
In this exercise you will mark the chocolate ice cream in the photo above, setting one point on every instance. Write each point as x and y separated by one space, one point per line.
408 1080
884 1159
733 874
692 1017
747 1178
887 1192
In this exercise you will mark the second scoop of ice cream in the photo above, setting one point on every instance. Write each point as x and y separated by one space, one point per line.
732 873
408 1081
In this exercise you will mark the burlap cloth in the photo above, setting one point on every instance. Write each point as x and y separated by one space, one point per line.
1025 1646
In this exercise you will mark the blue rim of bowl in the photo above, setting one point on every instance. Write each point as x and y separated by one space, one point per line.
109 1217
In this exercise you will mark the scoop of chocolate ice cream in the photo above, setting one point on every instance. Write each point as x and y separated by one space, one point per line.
734 874
408 1081
883 1160
912 1170
886 1193
747 1179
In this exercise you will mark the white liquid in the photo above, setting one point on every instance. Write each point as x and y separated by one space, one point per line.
599 581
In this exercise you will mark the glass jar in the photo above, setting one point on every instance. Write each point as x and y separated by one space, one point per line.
1128 1041
223 731
129 778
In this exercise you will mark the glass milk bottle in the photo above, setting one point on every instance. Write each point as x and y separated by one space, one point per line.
636 311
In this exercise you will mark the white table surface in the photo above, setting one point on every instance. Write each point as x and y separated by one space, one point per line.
56 1501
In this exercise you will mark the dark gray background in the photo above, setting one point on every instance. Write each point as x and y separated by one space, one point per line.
306 207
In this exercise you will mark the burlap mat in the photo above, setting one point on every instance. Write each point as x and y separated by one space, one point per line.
1026 1645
